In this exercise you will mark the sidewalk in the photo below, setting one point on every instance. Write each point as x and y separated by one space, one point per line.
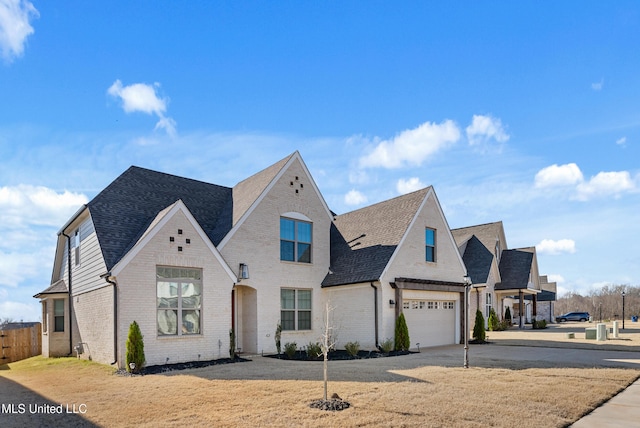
623 410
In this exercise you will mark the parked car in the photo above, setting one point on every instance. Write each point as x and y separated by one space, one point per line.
573 316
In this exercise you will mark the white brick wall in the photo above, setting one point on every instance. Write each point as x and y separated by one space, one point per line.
409 261
257 243
353 314
94 323
137 297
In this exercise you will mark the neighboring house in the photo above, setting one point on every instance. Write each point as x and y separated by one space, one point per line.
503 277
391 257
190 261
546 300
481 247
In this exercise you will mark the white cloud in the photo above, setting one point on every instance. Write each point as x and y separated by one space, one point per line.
17 310
622 142
558 175
484 129
411 185
597 86
141 97
15 26
549 246
353 197
25 204
606 184
32 263
412 146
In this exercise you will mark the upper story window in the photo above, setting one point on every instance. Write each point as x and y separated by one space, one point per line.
430 245
76 246
179 297
295 240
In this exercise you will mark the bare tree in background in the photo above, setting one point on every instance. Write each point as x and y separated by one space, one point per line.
602 303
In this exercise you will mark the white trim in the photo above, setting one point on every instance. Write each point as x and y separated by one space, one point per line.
162 219
296 216
295 156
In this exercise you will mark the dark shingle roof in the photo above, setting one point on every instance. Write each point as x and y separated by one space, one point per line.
515 269
127 206
363 241
477 259
56 287
543 296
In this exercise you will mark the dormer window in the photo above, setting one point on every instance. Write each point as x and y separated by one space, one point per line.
295 240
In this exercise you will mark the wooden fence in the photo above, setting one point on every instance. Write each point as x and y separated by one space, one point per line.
20 343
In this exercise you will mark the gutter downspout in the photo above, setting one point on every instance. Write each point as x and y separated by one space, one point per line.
375 310
107 277
70 295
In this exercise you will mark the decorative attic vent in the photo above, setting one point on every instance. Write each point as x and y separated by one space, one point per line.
172 239
179 248
188 241
179 231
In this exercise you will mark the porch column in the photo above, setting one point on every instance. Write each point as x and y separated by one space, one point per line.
535 305
522 309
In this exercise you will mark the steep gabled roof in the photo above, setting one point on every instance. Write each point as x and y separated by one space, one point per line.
487 233
363 241
477 259
247 191
515 269
126 207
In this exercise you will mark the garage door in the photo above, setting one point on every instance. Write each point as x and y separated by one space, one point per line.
430 322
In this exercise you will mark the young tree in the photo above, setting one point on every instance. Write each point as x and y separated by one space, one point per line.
327 343
402 342
493 320
135 349
507 315
478 328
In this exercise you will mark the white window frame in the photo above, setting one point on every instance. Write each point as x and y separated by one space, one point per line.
296 310
180 310
296 241
58 312
434 247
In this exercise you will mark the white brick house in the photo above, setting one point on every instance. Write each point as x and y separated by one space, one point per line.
190 261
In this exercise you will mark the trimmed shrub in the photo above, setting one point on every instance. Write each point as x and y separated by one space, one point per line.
538 325
402 334
290 349
493 320
277 337
314 350
352 348
507 315
478 328
135 349
386 346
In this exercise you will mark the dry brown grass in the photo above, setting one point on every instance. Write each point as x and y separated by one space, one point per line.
431 396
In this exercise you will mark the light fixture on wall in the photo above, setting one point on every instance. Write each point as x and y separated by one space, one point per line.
392 302
243 272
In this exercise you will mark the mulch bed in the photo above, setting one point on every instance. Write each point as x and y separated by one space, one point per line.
339 355
164 368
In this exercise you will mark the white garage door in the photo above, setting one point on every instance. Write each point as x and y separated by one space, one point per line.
430 322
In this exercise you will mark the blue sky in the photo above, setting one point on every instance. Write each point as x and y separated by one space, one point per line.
525 112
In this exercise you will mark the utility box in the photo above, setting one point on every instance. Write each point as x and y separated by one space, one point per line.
616 329
601 332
